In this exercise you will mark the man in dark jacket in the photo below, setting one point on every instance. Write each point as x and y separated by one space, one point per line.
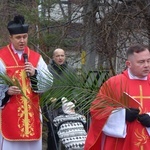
58 65
59 68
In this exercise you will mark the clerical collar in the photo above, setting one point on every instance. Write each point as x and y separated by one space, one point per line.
131 76
19 52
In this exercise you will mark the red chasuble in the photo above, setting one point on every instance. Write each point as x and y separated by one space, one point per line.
137 137
20 118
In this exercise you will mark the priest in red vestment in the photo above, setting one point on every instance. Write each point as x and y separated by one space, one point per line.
20 113
120 113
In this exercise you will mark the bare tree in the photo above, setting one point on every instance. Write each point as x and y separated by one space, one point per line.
102 29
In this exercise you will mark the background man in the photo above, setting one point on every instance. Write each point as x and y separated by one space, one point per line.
59 68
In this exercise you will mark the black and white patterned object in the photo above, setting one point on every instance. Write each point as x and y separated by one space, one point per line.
71 130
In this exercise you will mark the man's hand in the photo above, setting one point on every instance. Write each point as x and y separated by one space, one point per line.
131 114
13 90
29 68
144 119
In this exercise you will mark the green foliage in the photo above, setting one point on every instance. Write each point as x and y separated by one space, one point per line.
75 88
69 42
81 89
5 79
50 39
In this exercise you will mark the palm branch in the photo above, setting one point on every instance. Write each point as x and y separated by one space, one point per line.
81 89
5 79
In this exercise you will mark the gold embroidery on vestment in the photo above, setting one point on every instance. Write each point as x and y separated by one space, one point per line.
25 113
141 97
141 138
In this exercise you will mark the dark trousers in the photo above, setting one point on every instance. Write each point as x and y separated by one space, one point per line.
52 137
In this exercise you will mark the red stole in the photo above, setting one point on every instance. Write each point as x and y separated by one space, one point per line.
20 118
137 137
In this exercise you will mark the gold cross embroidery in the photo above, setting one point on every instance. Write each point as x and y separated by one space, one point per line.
141 97
141 135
